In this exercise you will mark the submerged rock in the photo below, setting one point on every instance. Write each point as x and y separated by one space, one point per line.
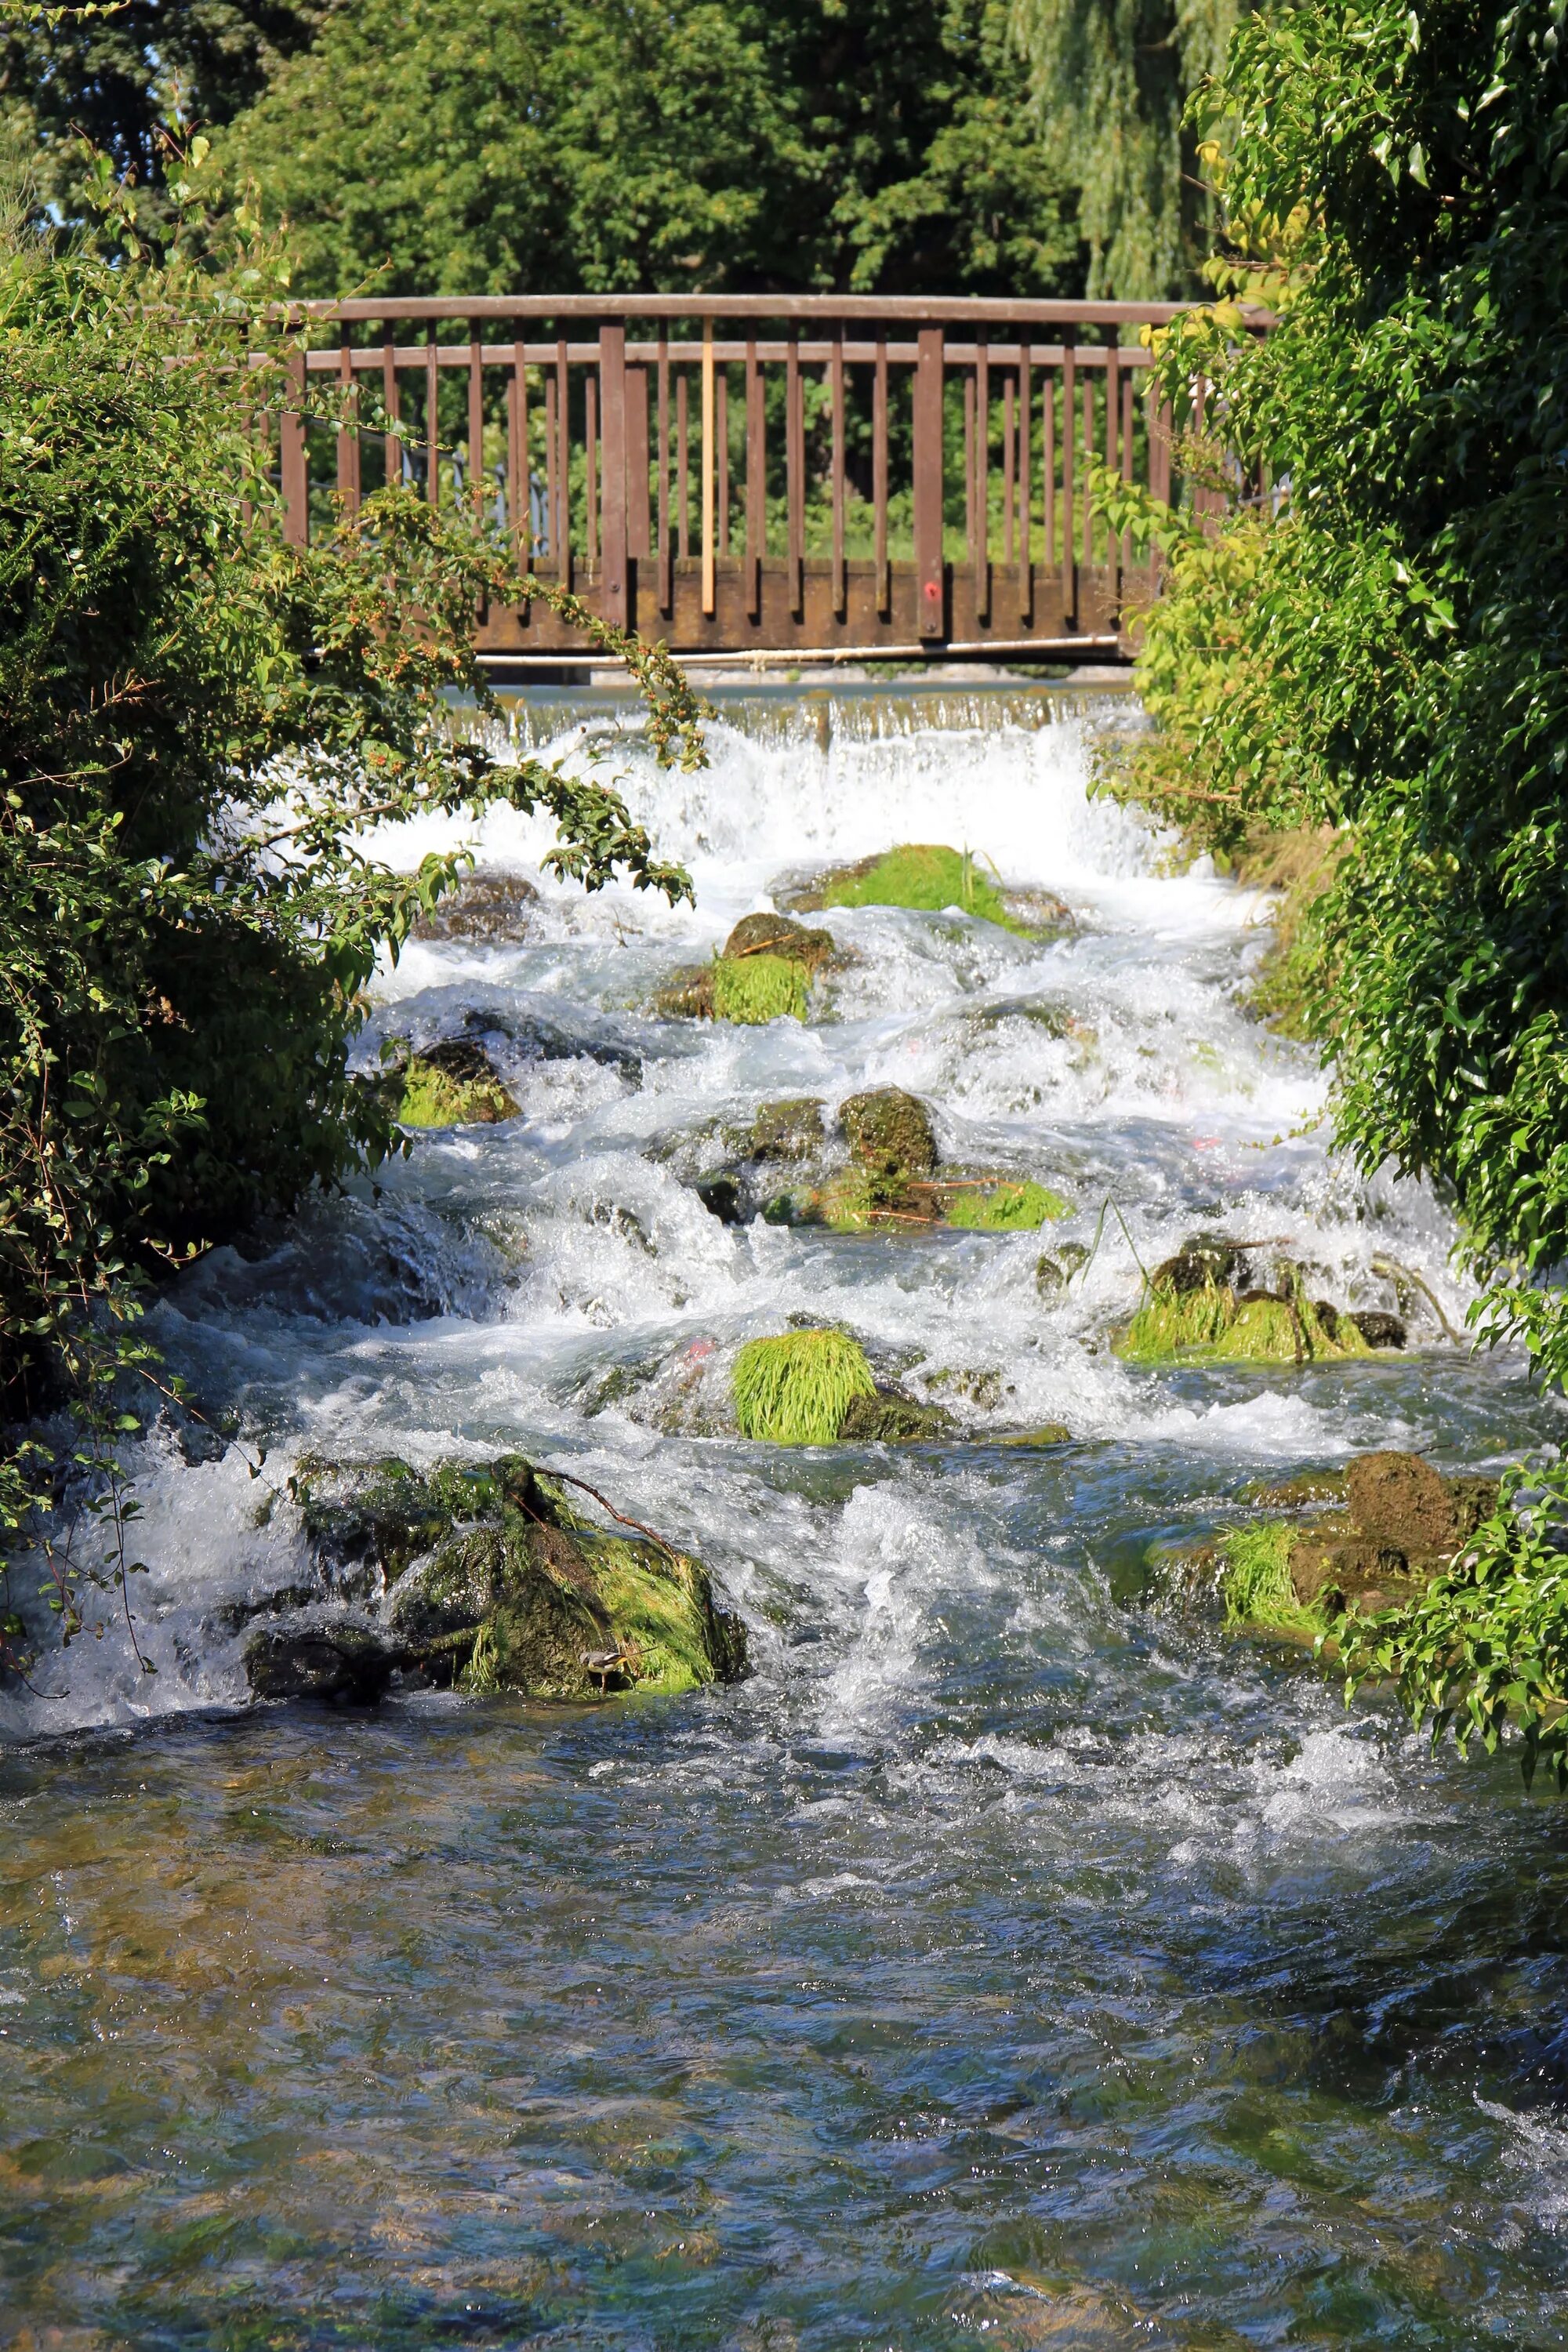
454 1084
487 908
765 974
1402 1523
889 1417
928 877
889 1132
494 1581
791 1129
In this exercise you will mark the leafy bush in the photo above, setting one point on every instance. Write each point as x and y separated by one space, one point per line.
197 721
1483 1651
795 1390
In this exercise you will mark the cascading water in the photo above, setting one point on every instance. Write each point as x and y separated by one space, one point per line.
1009 1958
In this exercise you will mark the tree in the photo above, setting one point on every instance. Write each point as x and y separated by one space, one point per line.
196 721
1111 83
526 145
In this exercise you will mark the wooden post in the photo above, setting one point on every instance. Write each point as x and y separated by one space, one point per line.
930 569
666 552
563 528
293 463
1088 460
722 454
707 467
612 589
880 479
520 512
1025 492
756 482
983 483
392 444
432 423
638 543
835 393
794 475
476 429
348 436
682 468
590 470
1069 518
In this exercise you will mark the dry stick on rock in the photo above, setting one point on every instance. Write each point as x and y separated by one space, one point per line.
567 1479
1392 1270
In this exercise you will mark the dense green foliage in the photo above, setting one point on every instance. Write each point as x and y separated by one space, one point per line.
1392 655
1484 1649
524 145
196 721
1111 79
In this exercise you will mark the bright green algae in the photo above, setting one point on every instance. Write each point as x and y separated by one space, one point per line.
926 877
795 1390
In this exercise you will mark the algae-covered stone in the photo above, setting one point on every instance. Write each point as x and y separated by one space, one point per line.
1401 1524
1003 1205
1187 1315
454 1084
497 1581
751 990
791 1129
889 1132
928 878
777 935
795 1390
888 1417
337 1660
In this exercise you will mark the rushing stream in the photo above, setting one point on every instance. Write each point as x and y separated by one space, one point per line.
1011 1959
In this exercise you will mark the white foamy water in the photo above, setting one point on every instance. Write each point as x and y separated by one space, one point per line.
555 1284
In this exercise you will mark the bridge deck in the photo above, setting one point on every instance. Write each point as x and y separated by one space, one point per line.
759 476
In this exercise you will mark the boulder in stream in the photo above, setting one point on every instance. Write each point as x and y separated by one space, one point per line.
928 877
486 909
1298 1568
453 1084
493 1580
765 974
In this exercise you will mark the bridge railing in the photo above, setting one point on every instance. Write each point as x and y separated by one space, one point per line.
748 476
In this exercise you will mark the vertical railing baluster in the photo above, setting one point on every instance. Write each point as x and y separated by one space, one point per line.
615 581
638 543
475 427
982 481
794 475
1048 467
879 480
519 519
1069 511
391 440
591 468
551 535
931 573
756 482
707 469
1127 439
1026 490
1112 419
432 421
722 452
1087 462
348 434
1007 476
562 466
293 462
835 393
666 553
682 460
968 467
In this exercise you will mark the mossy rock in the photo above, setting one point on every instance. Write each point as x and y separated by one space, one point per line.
790 1129
751 990
928 877
777 935
487 909
452 1085
795 1390
497 1582
888 1417
1401 1524
889 1132
1180 1321
1004 1206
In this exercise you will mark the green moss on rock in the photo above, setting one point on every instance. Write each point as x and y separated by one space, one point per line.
1004 1207
889 1132
795 1390
755 989
1176 1324
452 1085
497 1582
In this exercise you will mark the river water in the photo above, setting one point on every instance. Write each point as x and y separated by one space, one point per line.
1010 1959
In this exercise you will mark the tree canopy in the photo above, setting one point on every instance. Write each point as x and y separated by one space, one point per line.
517 145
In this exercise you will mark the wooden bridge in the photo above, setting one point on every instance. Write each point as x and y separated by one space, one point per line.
757 478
